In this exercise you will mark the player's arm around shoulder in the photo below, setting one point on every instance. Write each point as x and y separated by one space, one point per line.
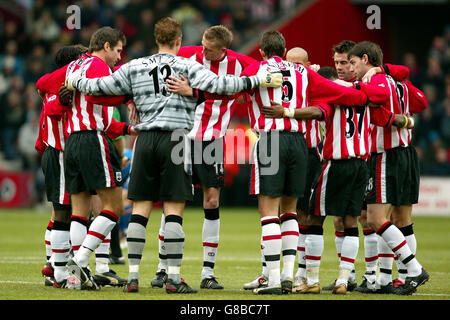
99 80
276 110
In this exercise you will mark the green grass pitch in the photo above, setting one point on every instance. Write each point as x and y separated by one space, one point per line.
22 256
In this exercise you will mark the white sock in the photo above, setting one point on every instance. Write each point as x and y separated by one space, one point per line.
301 271
271 235
314 245
78 231
210 237
136 241
102 255
99 229
60 240
397 242
265 272
289 241
338 239
162 265
47 239
412 244
370 254
349 251
385 259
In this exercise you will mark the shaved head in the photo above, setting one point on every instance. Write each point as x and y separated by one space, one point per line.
298 55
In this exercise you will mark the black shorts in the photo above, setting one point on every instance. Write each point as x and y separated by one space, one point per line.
157 174
55 184
208 163
394 177
280 163
91 162
339 189
313 171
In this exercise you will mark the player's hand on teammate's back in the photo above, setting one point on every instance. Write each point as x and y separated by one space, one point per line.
315 67
373 105
133 115
180 86
343 83
72 79
133 131
65 96
275 110
269 78
369 74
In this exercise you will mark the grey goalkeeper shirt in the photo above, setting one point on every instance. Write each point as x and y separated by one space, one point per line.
145 80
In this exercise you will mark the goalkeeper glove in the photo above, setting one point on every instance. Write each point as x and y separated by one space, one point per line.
72 79
268 78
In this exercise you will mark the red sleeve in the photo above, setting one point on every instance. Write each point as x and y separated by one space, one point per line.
54 109
41 83
243 59
40 146
381 117
327 91
398 72
251 70
214 96
376 90
417 99
117 129
106 100
324 107
51 82
189 51
98 69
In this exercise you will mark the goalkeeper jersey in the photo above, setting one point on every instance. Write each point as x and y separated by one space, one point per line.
145 80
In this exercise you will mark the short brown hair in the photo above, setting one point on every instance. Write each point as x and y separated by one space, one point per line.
167 30
343 46
220 35
273 43
372 50
106 34
67 54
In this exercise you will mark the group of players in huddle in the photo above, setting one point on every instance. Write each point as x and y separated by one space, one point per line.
343 136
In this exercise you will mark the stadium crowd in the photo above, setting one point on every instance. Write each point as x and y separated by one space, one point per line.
31 32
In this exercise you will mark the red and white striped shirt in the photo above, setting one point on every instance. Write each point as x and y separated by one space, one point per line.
385 138
88 112
300 84
52 129
212 117
312 133
347 130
